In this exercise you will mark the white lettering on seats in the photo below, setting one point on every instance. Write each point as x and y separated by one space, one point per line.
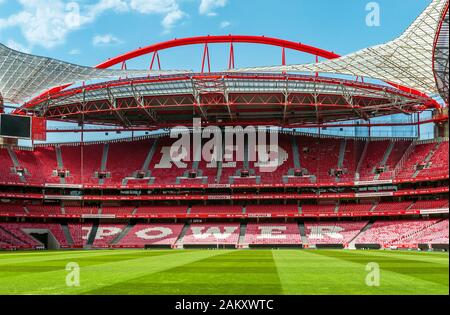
147 234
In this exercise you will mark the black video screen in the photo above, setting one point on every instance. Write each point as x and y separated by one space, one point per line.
15 126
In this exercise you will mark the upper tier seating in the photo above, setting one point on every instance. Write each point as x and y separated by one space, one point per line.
161 210
6 164
265 210
373 158
392 206
438 164
354 207
216 209
416 157
38 164
12 208
272 234
44 210
151 234
271 209
267 172
430 204
318 158
394 158
118 210
80 210
120 167
318 208
332 232
212 234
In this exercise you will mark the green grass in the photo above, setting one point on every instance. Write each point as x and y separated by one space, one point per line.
268 272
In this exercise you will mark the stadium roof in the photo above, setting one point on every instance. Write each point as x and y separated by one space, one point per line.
406 60
23 76
276 99
441 56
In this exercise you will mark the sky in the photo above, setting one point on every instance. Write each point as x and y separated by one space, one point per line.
88 32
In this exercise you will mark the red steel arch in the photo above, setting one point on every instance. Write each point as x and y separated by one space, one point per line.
217 39
248 39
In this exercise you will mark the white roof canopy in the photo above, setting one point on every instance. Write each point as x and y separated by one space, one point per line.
407 60
23 76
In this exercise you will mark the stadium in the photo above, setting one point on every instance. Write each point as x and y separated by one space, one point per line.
356 178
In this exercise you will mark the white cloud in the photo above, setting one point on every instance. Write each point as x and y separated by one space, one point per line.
75 52
169 8
47 23
154 6
225 24
17 46
104 40
42 22
207 7
171 19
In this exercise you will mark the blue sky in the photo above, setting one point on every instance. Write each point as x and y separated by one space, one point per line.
106 28
88 32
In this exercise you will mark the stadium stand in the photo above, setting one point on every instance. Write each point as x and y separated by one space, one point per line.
324 161
161 210
260 210
272 234
332 232
387 233
216 209
212 234
318 208
80 233
143 234
434 234
106 233
19 230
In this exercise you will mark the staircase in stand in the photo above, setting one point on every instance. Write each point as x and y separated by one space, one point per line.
242 232
351 244
101 181
92 235
301 227
179 242
122 234
67 234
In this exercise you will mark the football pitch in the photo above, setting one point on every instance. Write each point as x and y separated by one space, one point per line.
266 272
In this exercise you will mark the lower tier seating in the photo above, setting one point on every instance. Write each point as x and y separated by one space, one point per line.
211 234
391 232
383 232
272 233
151 234
106 233
332 232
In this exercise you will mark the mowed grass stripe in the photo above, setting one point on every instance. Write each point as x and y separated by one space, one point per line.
58 263
64 255
431 257
303 272
97 276
231 272
422 270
